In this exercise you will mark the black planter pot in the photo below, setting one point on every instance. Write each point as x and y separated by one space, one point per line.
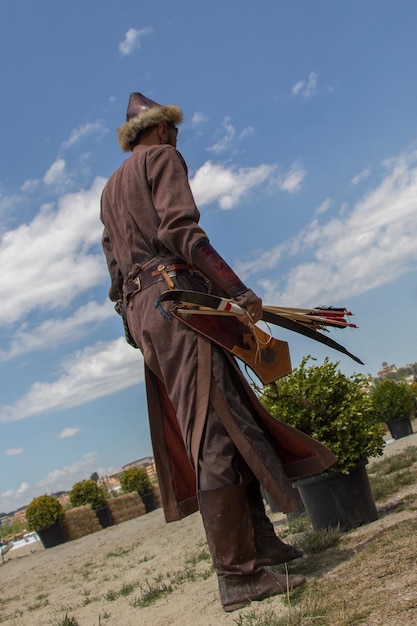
52 536
148 500
400 427
275 508
335 500
104 516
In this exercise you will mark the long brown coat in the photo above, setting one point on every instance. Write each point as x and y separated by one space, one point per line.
148 211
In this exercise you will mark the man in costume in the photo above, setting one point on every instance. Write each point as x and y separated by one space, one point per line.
214 444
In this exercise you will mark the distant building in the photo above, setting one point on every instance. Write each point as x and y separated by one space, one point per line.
148 463
387 369
18 516
112 481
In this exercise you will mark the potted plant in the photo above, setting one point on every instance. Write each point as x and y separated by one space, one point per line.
89 492
336 410
45 515
394 403
137 479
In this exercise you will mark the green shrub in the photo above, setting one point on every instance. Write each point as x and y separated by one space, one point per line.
135 479
330 407
87 492
44 511
392 400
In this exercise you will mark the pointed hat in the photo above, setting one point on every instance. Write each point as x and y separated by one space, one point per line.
143 113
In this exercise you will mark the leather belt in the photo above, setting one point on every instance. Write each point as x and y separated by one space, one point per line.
156 274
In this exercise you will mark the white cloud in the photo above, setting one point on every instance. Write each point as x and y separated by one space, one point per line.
13 498
58 480
291 180
324 206
227 186
198 119
52 256
63 479
361 176
54 332
359 250
306 88
14 451
82 132
69 432
55 173
30 185
88 374
230 135
132 39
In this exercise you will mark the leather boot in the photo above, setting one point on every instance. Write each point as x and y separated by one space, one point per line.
270 550
229 532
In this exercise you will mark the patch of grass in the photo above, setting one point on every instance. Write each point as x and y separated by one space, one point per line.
353 593
111 595
161 586
151 592
145 559
256 618
394 463
41 601
119 552
181 577
8 599
298 523
67 621
305 614
88 598
202 554
316 541
125 590
384 486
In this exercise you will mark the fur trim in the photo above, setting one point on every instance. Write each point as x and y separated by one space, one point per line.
150 117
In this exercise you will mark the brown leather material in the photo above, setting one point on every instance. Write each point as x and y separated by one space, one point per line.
154 274
239 592
270 550
268 357
229 532
215 268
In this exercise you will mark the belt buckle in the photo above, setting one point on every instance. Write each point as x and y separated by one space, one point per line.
137 281
162 269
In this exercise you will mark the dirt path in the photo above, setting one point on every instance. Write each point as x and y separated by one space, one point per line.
103 578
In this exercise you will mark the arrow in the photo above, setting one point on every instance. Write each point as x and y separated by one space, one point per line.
196 299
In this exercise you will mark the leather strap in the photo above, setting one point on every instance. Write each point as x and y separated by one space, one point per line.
156 274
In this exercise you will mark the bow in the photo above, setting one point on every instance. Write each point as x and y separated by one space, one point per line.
306 322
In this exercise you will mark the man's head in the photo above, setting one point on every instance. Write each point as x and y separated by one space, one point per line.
144 115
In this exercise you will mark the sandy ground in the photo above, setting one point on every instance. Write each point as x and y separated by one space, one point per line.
100 579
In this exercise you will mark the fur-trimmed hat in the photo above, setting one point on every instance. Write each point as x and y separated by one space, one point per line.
143 113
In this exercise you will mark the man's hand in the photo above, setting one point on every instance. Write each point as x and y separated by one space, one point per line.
252 303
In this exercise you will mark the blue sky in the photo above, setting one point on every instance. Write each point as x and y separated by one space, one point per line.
300 134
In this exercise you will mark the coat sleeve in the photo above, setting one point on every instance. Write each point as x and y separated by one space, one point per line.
115 291
174 202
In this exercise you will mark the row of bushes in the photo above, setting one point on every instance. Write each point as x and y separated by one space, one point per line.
46 510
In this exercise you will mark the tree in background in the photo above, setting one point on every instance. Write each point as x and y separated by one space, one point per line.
87 492
135 479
